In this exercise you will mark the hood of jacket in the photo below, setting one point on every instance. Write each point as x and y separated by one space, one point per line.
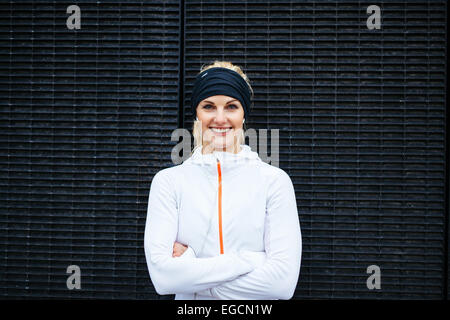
229 162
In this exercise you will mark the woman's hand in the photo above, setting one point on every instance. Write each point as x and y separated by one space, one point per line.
178 249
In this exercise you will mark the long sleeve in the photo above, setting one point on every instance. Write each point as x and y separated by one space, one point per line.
277 277
185 274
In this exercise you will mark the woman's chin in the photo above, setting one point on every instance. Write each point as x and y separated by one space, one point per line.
217 145
223 143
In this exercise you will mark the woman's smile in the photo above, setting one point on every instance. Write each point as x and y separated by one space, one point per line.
223 131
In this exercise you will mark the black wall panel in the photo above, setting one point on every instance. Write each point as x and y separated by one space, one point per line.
361 119
86 118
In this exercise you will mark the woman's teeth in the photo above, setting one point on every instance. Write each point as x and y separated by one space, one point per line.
220 130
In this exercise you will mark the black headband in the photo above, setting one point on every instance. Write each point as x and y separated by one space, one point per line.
221 81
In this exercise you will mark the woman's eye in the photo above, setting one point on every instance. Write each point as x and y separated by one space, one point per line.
231 106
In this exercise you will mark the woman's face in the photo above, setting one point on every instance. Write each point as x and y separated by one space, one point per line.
221 118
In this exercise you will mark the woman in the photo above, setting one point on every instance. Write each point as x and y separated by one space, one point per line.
224 224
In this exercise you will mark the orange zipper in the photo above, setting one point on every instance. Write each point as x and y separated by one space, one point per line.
220 206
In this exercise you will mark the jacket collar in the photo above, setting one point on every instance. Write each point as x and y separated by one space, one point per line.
229 161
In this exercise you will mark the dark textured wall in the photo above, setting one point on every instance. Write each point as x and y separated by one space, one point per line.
87 116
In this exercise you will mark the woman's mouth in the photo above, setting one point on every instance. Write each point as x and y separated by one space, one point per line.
220 131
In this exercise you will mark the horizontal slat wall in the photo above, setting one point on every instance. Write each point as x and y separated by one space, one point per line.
85 118
361 116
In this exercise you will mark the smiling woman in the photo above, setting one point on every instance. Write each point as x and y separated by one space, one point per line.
224 224
221 118
223 107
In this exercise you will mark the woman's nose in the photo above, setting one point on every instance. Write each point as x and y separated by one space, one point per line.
220 116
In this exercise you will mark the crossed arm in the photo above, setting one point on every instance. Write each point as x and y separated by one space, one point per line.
277 277
185 274
244 275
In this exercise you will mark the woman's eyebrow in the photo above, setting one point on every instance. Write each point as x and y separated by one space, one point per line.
225 103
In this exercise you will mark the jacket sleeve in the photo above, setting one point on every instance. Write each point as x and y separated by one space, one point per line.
277 277
185 274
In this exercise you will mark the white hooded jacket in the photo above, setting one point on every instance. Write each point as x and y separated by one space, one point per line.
237 215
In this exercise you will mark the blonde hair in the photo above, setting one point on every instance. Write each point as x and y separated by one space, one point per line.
197 127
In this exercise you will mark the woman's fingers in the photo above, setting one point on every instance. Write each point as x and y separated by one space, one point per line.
178 249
